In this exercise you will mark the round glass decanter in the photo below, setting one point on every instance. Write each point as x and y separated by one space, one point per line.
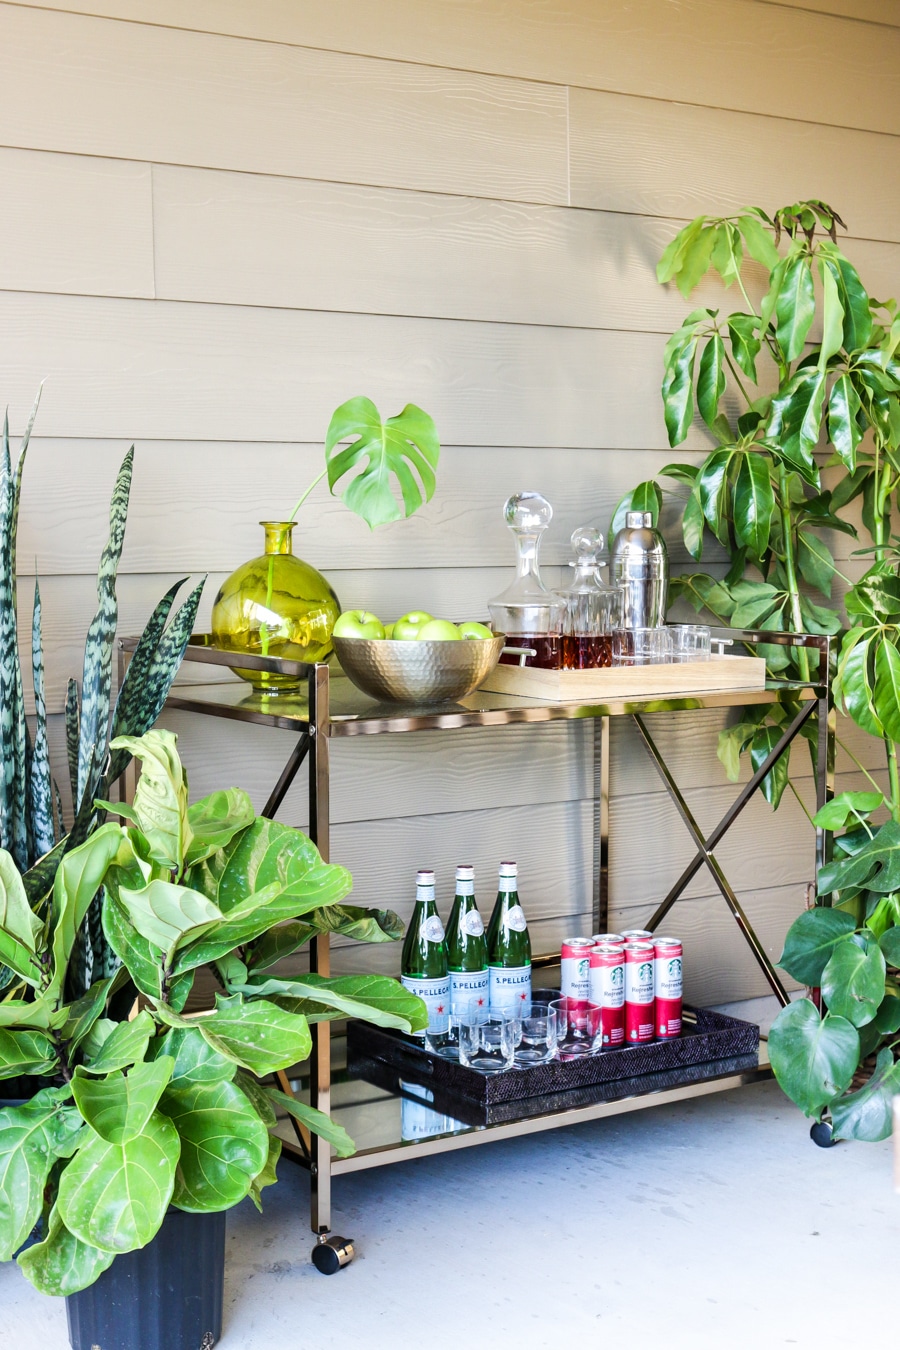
275 605
526 611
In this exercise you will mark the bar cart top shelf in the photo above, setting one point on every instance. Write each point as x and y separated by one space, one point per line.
353 713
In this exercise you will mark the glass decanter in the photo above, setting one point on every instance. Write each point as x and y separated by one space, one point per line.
591 611
526 611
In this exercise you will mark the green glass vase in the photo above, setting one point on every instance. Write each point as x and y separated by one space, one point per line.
275 605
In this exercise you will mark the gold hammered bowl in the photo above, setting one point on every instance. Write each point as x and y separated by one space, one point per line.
418 672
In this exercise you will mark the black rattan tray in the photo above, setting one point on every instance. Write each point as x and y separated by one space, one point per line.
706 1036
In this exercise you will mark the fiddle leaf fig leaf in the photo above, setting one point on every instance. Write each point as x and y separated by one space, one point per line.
224 1144
32 1137
78 878
398 446
124 1046
61 1265
23 1052
118 1107
168 915
373 998
258 1036
853 979
160 803
867 1114
214 822
195 1059
268 1176
811 939
813 1058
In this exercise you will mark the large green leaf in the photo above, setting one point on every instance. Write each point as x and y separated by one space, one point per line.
813 1058
776 780
745 344
875 596
61 1265
857 315
224 1145
832 316
168 915
259 1036
887 686
811 939
712 487
754 502
711 379
816 561
78 878
215 820
678 384
195 1059
854 685
362 925
758 241
868 1113
795 307
126 1045
317 1121
118 1107
843 425
853 980
398 446
32 1137
890 945
24 1052
844 807
795 420
675 252
876 865
115 1196
160 804
374 998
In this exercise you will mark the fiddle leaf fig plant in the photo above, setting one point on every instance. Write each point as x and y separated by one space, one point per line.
149 1106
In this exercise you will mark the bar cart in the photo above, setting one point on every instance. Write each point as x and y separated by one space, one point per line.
392 1120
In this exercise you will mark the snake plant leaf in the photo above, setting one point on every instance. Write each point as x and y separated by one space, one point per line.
78 878
811 939
114 1196
160 804
30 1137
795 307
125 1045
98 647
44 836
317 1121
813 1058
195 1060
24 1052
398 446
119 1106
73 735
61 1265
876 865
224 1145
373 998
867 1114
754 502
215 820
853 979
268 1176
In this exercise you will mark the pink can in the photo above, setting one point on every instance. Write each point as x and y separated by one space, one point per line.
668 985
575 968
608 991
639 998
615 938
637 935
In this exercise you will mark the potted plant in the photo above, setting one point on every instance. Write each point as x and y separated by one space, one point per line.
150 1112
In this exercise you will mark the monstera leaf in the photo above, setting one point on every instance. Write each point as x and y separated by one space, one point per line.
399 446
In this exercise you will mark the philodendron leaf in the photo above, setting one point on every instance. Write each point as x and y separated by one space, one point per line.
160 803
374 998
24 1052
890 946
168 915
214 822
810 941
876 865
115 1196
835 814
125 1046
398 446
30 1139
317 1121
224 1145
813 1058
118 1107
61 1264
853 979
868 1114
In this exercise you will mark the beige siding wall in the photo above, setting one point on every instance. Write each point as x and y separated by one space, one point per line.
223 218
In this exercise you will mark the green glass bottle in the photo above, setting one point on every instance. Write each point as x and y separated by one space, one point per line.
423 965
466 946
509 947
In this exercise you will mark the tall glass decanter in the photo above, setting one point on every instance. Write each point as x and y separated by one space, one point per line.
592 611
526 611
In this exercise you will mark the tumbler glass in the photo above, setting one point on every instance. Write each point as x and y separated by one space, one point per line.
690 642
442 1035
538 1035
642 647
578 1026
487 1039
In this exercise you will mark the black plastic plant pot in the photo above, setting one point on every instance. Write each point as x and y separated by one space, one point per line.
167 1296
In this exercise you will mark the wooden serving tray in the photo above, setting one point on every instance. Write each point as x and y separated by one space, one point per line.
614 682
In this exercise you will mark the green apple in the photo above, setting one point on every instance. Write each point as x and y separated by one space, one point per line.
389 631
439 630
359 623
406 628
473 631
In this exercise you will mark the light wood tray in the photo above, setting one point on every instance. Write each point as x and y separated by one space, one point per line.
615 682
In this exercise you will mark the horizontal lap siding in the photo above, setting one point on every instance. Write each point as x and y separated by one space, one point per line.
232 217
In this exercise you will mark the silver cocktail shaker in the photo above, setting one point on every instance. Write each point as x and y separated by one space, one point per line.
639 564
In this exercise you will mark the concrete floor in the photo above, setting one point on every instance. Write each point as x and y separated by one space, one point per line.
712 1224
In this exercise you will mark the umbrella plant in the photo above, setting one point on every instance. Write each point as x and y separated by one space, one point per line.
147 1106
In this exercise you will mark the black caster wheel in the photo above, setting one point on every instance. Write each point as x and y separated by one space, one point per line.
331 1253
821 1133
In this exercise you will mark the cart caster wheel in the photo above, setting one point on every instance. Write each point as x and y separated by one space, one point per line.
821 1133
331 1253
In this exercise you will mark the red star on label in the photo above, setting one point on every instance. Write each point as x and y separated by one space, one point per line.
439 1008
481 1003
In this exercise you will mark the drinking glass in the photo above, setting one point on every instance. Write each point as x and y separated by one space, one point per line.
442 1035
642 647
537 1045
690 642
487 1039
579 1027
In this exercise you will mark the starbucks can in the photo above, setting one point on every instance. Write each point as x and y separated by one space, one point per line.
639 981
667 986
575 968
608 991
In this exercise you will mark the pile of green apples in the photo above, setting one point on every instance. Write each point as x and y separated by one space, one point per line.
416 626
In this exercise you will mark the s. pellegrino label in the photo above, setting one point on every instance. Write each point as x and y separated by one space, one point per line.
509 947
423 966
466 946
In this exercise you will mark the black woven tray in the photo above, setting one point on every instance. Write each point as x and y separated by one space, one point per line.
706 1036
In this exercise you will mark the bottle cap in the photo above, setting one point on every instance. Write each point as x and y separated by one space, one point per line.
465 872
425 877
509 869
639 520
